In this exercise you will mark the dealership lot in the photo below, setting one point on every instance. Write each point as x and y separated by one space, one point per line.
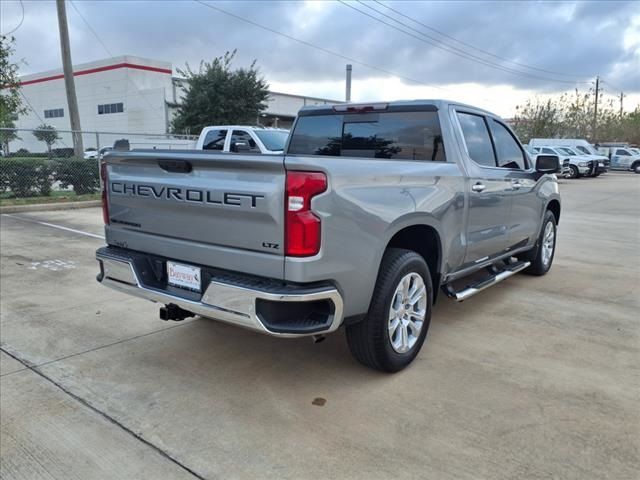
535 378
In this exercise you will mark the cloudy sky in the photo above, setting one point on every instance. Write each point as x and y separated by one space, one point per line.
491 54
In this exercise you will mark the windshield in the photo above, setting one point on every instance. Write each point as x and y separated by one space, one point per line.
567 151
587 150
273 140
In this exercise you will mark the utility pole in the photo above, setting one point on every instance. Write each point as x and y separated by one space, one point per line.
595 111
621 100
348 85
69 82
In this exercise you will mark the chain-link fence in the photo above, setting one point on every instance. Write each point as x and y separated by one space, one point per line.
40 164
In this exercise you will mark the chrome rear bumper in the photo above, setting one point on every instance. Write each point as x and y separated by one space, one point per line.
222 301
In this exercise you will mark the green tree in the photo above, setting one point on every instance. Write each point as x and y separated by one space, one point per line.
630 126
47 134
572 116
10 101
537 119
217 94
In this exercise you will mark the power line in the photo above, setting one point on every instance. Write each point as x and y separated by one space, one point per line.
456 51
611 84
95 34
90 28
19 24
322 49
524 65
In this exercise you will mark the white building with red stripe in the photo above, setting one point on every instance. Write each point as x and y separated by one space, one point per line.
124 94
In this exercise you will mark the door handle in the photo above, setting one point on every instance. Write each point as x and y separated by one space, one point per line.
478 187
516 185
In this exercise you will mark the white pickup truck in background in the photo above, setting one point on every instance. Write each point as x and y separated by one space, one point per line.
243 139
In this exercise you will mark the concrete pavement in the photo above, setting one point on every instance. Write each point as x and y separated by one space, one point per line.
535 378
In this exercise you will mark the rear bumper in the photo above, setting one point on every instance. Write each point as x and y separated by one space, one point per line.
262 305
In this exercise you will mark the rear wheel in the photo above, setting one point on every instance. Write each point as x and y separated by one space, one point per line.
573 172
541 256
636 167
391 335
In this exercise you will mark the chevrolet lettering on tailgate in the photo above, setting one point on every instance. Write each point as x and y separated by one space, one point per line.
233 199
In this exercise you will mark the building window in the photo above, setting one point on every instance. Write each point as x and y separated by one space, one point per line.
110 108
54 113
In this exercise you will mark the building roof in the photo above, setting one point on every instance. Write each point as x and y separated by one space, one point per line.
114 63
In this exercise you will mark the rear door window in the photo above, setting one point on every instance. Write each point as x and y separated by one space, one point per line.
508 151
214 140
391 135
477 139
622 152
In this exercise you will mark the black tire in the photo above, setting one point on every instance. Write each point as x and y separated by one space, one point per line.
573 172
635 167
538 265
369 339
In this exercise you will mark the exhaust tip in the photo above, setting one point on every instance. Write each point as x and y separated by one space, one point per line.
318 338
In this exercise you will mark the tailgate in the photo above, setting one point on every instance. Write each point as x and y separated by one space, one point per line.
199 206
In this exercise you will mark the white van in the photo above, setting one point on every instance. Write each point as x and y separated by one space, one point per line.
578 144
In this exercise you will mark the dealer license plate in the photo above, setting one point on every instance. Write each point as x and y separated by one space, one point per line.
184 276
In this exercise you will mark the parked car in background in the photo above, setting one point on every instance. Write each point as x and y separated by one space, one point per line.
579 166
93 154
603 161
580 145
243 139
622 158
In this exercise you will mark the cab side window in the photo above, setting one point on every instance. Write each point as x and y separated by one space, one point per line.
477 139
508 151
214 140
242 141
548 151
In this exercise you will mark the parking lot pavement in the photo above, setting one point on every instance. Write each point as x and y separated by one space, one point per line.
536 378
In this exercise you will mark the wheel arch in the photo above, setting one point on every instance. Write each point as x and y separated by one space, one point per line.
425 240
554 206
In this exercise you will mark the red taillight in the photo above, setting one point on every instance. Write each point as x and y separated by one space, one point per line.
104 181
302 226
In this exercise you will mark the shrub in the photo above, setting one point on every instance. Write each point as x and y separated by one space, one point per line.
82 174
65 152
26 177
24 153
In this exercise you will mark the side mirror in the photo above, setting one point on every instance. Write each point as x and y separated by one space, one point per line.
239 147
548 164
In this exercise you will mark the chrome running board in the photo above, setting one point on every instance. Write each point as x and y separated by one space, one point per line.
496 277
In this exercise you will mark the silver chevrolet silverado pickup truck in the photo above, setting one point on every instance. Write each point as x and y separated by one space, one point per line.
370 212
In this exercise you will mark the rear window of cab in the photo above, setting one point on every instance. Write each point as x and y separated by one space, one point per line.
414 135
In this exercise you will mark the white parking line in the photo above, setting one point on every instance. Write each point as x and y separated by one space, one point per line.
59 227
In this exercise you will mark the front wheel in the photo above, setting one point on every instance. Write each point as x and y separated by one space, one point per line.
391 335
573 172
541 256
636 167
